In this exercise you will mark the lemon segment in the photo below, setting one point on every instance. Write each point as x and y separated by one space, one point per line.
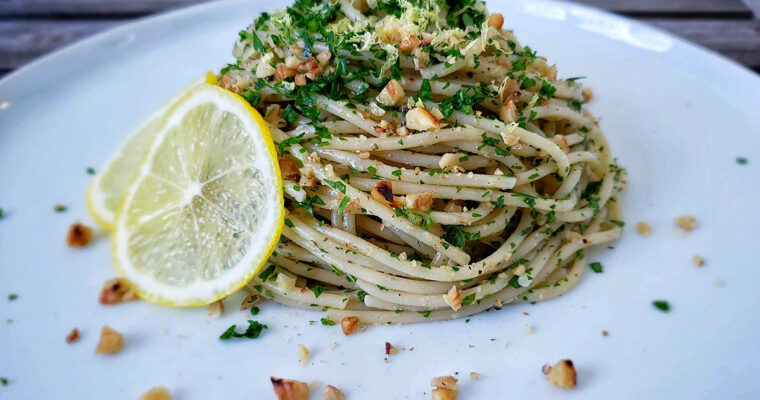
109 185
205 209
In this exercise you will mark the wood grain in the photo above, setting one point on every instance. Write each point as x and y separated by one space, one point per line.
674 8
87 8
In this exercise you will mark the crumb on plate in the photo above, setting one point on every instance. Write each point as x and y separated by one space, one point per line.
111 342
561 375
643 228
115 291
157 393
79 235
73 336
288 389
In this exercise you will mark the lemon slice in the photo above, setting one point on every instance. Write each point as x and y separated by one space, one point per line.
107 189
205 209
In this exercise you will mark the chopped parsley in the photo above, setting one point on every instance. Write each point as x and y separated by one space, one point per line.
252 332
12 297
327 322
661 305
741 160
596 267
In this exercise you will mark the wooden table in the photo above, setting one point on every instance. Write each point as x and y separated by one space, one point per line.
30 28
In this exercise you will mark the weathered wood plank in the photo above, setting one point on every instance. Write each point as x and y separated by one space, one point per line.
738 39
674 8
47 8
87 8
23 40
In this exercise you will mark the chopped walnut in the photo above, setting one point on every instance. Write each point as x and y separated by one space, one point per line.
409 44
216 309
508 112
324 57
283 72
349 325
73 336
79 235
420 119
698 261
446 388
303 355
419 201
496 20
300 80
686 222
307 177
562 375
115 291
287 389
157 393
643 229
382 191
264 70
588 94
453 299
450 162
288 169
332 393
111 342
389 349
392 94
560 141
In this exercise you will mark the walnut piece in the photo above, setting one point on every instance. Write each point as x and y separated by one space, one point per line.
562 375
389 349
643 229
157 393
419 201
287 389
421 119
687 223
115 291
392 94
303 355
332 393
409 44
216 309
446 388
73 336
79 235
496 20
349 325
453 299
111 342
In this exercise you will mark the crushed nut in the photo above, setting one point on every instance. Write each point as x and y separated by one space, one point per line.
303 355
115 291
79 235
264 70
382 191
389 349
349 325
288 389
449 161
157 393
698 261
588 94
111 342
453 299
392 94
643 229
419 201
474 376
283 72
562 375
73 336
560 141
496 20
332 393
216 309
686 222
446 388
409 44
420 119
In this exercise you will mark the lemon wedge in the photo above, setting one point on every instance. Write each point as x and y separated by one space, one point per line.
107 188
205 209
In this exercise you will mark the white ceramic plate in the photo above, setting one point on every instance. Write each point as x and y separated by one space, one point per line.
676 116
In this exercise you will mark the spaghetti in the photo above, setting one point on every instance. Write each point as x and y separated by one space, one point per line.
433 167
